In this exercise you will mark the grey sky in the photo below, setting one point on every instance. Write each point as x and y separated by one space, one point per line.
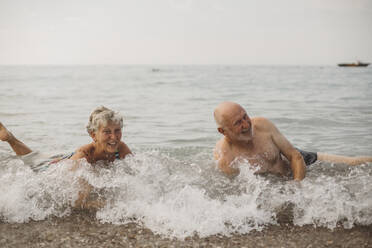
185 31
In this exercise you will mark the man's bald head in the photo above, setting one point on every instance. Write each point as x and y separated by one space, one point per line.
233 122
224 111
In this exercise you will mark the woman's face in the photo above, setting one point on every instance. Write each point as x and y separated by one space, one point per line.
108 137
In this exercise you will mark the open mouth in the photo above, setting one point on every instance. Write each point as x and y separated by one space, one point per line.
112 144
244 131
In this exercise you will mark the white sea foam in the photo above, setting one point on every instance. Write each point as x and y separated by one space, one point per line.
26 195
171 197
179 198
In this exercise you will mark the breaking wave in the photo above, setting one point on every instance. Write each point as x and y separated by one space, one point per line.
180 197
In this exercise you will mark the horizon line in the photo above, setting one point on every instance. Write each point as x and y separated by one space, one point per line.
164 64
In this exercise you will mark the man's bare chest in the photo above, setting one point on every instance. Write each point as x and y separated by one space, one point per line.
263 152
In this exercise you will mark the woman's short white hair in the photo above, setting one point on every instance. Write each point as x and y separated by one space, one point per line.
101 116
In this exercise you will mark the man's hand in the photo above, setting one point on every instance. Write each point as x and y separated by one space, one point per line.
297 165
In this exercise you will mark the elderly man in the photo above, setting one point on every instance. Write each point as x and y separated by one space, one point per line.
260 142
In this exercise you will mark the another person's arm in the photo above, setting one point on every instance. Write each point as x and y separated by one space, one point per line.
297 163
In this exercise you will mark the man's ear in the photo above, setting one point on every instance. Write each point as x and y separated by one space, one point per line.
221 131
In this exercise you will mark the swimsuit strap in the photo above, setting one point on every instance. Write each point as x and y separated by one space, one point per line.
117 155
69 156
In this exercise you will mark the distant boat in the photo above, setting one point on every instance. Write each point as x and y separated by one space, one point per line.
357 64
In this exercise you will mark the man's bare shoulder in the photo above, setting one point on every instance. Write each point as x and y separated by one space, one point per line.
262 124
222 144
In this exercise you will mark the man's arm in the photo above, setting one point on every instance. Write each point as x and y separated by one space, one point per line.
296 160
224 160
226 168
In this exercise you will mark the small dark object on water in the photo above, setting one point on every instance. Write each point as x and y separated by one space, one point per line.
357 64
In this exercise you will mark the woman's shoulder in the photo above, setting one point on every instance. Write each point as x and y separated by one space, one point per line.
83 151
88 148
123 150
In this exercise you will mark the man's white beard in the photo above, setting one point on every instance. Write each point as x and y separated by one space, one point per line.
244 137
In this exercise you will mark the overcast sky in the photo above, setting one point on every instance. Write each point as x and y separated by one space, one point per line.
257 32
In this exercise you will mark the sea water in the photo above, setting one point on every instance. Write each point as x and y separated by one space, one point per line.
171 184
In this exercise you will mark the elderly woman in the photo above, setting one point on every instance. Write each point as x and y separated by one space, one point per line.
105 128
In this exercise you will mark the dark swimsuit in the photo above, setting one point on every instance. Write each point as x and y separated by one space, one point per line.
309 157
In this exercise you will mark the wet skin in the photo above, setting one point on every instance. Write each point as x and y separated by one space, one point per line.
256 140
107 141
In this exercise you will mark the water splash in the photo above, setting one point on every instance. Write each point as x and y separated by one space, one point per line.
180 197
